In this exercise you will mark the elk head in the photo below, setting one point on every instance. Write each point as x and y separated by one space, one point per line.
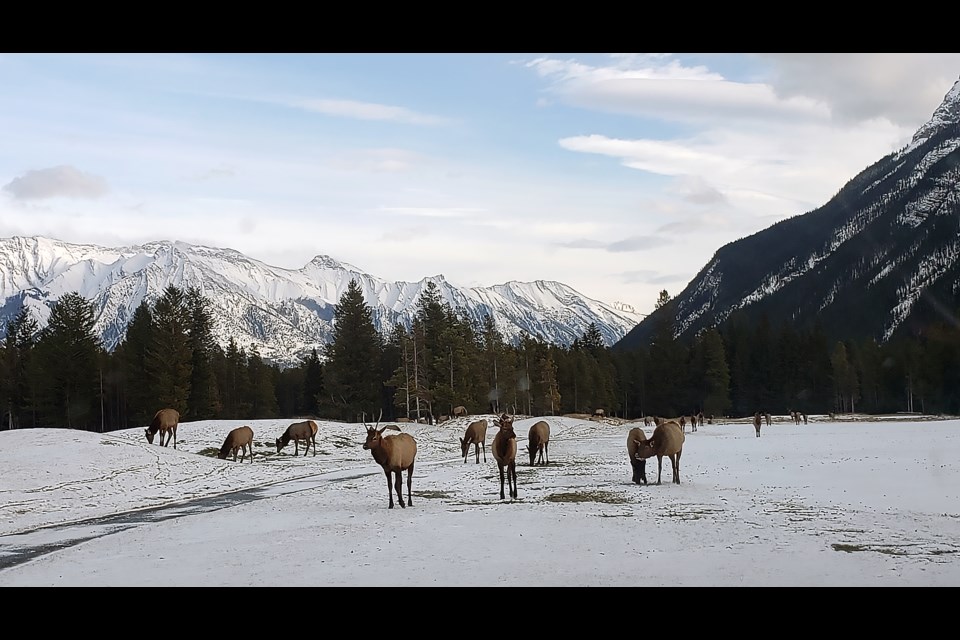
149 435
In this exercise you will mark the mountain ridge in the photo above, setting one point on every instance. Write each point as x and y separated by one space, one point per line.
880 258
285 312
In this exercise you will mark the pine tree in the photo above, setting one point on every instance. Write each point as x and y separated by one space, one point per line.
716 375
169 360
137 387
263 399
352 371
204 394
312 384
15 366
68 372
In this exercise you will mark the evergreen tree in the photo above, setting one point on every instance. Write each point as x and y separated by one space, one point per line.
137 387
204 394
716 376
169 358
263 400
68 372
312 384
15 366
352 371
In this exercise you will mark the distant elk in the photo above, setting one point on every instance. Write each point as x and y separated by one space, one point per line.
767 418
460 412
476 435
757 422
305 431
538 439
667 440
598 413
165 421
395 454
504 449
237 440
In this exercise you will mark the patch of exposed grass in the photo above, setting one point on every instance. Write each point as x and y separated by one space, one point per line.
212 452
602 497
433 494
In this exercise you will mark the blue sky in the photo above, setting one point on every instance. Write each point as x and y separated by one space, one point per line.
617 174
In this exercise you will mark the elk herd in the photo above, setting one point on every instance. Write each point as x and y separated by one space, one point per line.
396 453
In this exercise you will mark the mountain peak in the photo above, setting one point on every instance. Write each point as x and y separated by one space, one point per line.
948 113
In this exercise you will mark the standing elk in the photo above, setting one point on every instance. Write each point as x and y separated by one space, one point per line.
460 412
237 440
504 449
165 421
306 431
476 435
757 422
667 440
539 443
395 454
639 465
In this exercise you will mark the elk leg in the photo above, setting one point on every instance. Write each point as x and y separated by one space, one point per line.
398 485
677 467
513 478
410 485
659 468
501 483
389 487
546 449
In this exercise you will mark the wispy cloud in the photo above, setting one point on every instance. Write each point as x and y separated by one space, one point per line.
635 243
62 181
646 276
363 110
432 212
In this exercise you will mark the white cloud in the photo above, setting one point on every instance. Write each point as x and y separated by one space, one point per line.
365 111
61 181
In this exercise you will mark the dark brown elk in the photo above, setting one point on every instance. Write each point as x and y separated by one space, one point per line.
504 449
538 439
237 440
165 421
395 454
757 422
639 465
305 431
475 435
667 440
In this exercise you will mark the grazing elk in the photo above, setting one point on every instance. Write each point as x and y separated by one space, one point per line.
539 443
639 465
476 435
460 412
165 421
306 431
667 440
237 440
504 449
395 454
757 422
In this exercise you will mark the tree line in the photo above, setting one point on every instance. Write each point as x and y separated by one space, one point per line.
62 376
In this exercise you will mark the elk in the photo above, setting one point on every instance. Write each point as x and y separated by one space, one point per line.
504 449
460 412
237 440
667 440
757 422
306 431
539 442
767 418
476 435
639 465
396 454
165 421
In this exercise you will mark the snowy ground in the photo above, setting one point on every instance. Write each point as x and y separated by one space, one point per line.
836 502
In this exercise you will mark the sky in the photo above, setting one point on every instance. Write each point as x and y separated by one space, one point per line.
830 503
619 175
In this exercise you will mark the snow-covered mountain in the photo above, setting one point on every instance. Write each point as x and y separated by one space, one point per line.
284 312
881 258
